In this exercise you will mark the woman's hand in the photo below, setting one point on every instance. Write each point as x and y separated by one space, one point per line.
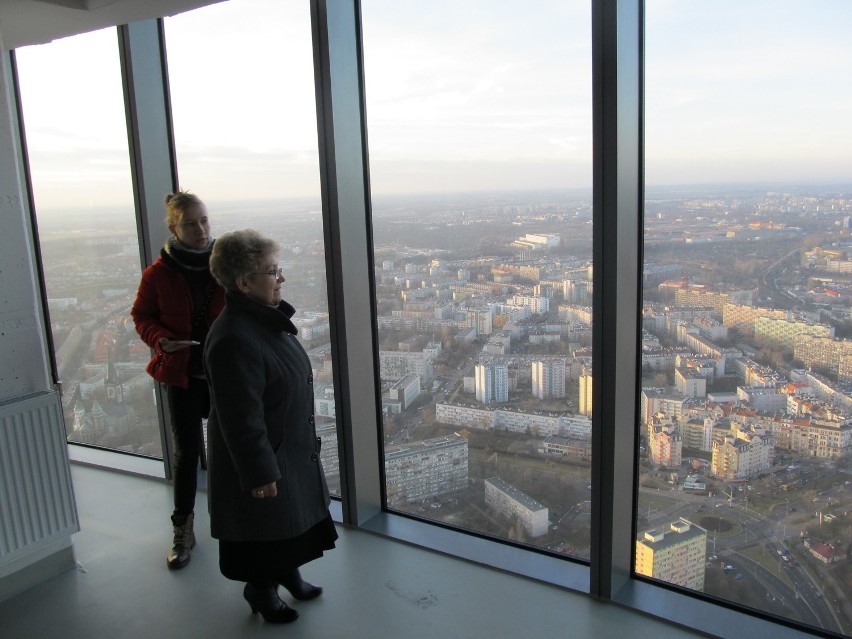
171 345
262 492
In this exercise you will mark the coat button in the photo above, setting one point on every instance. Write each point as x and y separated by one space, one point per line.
310 379
313 456
311 419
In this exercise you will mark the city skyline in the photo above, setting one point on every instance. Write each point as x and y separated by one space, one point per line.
462 103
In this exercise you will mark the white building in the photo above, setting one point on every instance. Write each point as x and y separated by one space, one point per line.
395 365
534 304
324 400
548 379
690 383
405 391
767 400
517 505
492 383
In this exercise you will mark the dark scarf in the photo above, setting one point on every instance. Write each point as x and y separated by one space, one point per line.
193 265
187 257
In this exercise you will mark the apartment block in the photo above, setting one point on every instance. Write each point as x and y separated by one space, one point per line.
665 445
782 332
584 403
548 379
516 505
492 383
676 555
740 454
825 354
426 469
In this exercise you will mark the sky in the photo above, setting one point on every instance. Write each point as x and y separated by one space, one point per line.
461 96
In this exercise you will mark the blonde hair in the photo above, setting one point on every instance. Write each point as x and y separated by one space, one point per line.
178 203
240 253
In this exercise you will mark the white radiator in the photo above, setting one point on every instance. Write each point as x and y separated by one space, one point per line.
37 506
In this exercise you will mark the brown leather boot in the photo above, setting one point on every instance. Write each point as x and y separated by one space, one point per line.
184 541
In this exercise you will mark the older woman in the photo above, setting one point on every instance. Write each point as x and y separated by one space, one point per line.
267 490
175 305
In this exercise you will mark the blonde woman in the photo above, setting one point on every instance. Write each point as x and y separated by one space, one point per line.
176 303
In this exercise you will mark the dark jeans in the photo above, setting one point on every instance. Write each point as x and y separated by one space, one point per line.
187 406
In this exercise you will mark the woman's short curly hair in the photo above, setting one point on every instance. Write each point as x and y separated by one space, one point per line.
240 253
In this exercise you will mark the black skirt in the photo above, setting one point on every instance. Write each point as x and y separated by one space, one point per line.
262 562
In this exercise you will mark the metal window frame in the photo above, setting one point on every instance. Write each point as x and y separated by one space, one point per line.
153 163
617 41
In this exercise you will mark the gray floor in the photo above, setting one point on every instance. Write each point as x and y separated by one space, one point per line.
374 587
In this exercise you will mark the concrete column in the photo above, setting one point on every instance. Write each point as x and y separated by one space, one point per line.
25 372
24 364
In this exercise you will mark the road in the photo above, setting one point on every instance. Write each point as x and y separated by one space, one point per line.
770 279
801 595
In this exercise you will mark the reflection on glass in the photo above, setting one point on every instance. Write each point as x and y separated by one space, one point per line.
480 153
746 399
77 143
245 132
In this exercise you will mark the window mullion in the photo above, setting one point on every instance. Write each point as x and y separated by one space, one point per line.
349 266
617 45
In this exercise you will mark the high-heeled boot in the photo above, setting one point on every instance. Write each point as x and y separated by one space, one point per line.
184 541
265 600
298 587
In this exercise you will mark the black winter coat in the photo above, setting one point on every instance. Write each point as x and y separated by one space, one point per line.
261 426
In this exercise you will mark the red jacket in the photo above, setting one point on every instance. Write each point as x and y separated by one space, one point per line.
163 308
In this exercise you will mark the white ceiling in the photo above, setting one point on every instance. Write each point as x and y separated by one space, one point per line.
24 22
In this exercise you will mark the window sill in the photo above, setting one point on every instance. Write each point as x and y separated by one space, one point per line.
521 561
698 614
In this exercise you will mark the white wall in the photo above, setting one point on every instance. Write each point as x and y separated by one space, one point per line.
24 365
25 371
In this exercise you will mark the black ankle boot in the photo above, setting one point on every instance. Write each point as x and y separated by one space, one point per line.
184 541
299 588
266 601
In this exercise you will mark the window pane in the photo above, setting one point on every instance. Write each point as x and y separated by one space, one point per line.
479 118
246 137
77 143
744 491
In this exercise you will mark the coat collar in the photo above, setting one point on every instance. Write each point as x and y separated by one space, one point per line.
273 318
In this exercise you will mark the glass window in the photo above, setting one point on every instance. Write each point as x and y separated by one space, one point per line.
746 398
242 89
479 117
77 143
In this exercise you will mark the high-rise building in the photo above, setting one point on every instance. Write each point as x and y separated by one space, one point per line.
548 379
585 399
675 556
492 383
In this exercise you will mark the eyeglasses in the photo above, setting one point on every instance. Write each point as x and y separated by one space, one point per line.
277 273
